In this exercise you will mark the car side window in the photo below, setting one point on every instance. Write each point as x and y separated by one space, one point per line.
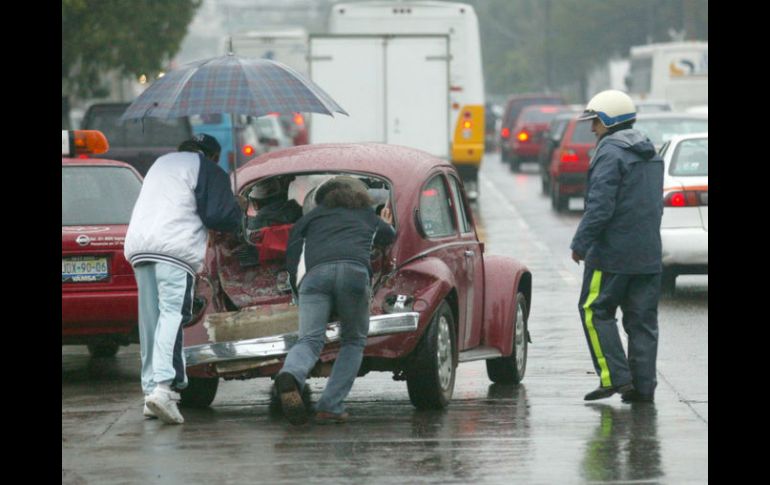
457 201
435 210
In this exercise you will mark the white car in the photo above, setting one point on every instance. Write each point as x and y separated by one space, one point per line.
685 224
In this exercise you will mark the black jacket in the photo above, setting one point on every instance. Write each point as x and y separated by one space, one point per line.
620 229
339 234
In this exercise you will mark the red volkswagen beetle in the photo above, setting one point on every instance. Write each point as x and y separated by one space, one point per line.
437 301
98 289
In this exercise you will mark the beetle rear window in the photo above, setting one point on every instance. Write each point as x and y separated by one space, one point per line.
435 211
97 195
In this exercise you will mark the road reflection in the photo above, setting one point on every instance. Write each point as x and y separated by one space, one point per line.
625 445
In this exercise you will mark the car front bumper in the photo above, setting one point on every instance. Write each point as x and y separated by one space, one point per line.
685 246
279 345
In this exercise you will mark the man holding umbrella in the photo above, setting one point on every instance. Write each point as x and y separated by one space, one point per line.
184 194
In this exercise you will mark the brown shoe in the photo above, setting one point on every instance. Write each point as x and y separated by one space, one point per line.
322 417
291 399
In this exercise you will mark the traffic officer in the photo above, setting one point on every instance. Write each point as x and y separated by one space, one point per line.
619 240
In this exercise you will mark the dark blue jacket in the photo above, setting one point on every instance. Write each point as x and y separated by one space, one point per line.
335 234
620 229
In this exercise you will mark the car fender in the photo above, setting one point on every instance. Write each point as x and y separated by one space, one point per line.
428 280
504 278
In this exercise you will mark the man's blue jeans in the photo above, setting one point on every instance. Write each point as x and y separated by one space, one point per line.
344 287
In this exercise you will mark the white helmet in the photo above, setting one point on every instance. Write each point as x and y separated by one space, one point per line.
612 107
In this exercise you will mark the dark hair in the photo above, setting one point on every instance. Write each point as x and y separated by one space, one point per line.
336 194
188 146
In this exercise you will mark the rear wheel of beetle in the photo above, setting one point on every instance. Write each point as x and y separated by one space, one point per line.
431 378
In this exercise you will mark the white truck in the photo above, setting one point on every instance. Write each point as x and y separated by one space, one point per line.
673 71
394 88
408 73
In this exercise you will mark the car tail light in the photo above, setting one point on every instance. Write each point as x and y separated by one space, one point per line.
686 198
505 132
523 136
568 156
299 120
248 150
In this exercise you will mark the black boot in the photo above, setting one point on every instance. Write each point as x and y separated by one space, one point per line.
605 392
635 396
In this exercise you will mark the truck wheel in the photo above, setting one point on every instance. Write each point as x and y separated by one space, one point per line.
200 392
510 370
430 379
103 349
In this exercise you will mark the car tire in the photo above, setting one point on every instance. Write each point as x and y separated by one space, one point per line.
511 369
515 163
103 349
558 201
200 392
430 378
668 282
545 183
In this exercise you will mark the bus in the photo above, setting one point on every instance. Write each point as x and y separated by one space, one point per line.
464 100
676 72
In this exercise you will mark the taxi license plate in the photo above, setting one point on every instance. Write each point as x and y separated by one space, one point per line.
84 269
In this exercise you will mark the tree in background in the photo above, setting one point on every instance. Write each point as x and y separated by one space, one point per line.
539 45
131 37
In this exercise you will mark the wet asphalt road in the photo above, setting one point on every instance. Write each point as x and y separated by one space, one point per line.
539 432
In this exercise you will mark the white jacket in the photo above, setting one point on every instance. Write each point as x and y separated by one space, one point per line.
183 195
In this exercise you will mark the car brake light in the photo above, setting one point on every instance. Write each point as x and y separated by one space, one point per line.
505 132
522 136
248 150
430 193
686 198
569 156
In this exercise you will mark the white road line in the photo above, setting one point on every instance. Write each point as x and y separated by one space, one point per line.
565 274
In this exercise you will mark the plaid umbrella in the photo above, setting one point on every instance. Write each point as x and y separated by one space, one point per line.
231 84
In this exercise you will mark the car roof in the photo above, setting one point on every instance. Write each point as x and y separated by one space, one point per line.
515 97
665 115
689 136
96 162
403 166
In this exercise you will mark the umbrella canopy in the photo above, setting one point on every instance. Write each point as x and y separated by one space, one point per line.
231 84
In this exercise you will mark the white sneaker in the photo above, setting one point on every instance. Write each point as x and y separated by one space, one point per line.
147 412
162 402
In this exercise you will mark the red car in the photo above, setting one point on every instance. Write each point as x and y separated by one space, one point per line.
526 139
568 170
513 107
99 299
438 299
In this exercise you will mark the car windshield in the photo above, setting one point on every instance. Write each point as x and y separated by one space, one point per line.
691 158
660 131
97 195
583 133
